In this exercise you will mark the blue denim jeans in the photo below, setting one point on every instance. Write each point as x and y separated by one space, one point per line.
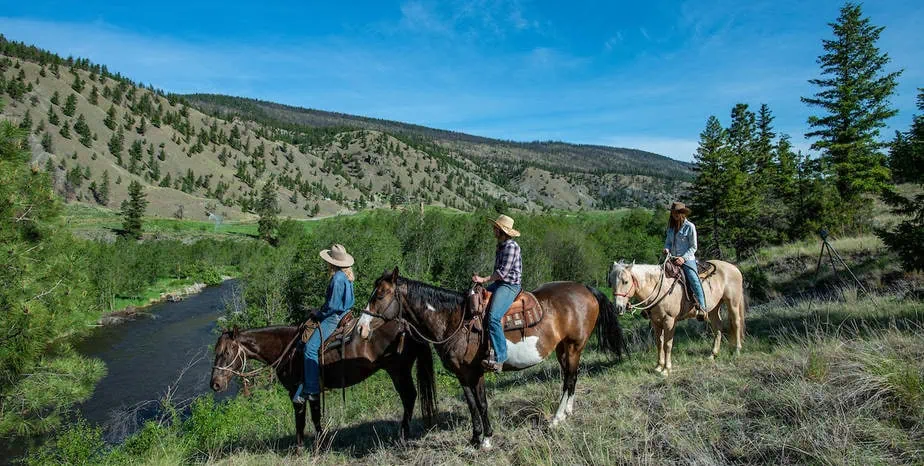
312 385
689 269
501 299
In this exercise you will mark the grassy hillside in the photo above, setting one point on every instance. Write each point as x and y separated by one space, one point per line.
196 156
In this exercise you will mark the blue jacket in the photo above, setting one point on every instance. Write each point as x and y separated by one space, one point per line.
339 297
682 243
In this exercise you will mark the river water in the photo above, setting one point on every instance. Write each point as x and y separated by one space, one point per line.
164 354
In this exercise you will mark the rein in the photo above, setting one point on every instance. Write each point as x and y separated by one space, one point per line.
649 302
406 323
242 355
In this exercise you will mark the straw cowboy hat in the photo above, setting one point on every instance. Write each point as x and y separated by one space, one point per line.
680 207
338 256
505 223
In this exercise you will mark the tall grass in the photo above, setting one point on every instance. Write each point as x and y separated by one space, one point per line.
819 382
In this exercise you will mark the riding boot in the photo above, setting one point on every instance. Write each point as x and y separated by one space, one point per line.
314 406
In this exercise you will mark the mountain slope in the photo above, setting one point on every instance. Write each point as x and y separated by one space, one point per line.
212 154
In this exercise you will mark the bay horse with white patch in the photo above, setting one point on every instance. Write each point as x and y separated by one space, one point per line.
668 305
343 366
440 316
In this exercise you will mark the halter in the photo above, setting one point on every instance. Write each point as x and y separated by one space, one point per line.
399 316
648 302
629 292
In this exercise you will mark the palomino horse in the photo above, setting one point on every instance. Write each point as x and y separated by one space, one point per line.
666 303
274 346
439 316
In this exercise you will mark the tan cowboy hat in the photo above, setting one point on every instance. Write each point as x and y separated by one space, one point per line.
680 207
505 223
338 256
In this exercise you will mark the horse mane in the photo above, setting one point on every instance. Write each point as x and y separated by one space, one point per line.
439 298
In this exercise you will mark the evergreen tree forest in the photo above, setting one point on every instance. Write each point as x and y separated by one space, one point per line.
752 189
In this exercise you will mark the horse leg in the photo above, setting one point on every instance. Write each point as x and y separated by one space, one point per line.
715 320
299 426
569 360
483 409
659 342
404 384
669 327
469 391
574 356
736 321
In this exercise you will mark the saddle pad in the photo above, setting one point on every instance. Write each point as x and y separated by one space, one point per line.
525 312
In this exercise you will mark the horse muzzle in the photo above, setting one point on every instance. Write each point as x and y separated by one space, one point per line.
364 326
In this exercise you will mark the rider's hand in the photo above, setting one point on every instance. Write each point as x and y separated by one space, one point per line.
679 260
478 279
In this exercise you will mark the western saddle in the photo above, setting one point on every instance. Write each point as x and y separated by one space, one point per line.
525 312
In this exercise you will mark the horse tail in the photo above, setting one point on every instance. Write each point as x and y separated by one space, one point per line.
610 337
426 383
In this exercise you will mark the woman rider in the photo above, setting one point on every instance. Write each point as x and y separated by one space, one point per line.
508 269
680 243
338 302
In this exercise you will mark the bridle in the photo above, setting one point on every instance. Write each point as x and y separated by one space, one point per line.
242 355
405 323
654 298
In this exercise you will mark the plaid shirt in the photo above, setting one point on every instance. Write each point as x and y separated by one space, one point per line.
507 262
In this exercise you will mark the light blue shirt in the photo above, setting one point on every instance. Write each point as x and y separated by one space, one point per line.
339 296
682 243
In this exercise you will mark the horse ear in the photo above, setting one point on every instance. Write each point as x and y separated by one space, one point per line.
394 275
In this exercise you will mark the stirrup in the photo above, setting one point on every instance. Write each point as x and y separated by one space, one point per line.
492 366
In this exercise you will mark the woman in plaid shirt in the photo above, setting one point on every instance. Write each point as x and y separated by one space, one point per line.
505 286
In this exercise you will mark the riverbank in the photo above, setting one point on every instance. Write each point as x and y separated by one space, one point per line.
163 290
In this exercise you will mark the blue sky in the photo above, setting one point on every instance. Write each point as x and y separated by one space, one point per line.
632 74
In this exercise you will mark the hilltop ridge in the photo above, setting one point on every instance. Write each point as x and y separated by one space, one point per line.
95 131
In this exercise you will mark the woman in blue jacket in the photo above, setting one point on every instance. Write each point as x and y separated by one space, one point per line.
681 244
338 302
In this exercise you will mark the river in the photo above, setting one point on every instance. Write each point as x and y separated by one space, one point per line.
147 358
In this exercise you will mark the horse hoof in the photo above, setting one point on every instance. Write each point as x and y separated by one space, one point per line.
712 357
486 444
658 369
555 422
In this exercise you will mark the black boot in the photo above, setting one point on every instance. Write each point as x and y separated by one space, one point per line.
314 406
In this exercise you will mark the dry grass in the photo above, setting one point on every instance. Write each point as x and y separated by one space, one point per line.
820 382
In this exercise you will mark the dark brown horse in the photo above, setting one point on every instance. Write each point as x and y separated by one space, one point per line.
572 311
274 346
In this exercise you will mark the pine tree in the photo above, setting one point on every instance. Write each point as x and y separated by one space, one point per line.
744 197
81 128
267 209
116 143
853 97
65 131
710 190
102 194
70 105
56 98
53 117
110 120
133 210
908 165
26 122
94 96
47 144
142 126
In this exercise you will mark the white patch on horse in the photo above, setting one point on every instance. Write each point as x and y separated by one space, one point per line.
524 353
431 308
365 321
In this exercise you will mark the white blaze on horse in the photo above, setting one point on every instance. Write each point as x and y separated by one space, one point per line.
667 304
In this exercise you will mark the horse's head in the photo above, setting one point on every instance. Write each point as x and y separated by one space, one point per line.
228 359
623 283
383 305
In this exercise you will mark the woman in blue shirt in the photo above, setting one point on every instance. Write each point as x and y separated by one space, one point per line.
338 302
680 243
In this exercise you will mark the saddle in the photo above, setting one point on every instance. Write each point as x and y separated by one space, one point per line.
704 269
340 336
525 312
